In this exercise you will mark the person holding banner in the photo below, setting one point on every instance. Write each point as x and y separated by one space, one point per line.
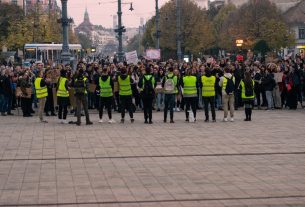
105 87
62 97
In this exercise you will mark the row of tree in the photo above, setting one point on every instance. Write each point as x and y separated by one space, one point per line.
37 26
257 23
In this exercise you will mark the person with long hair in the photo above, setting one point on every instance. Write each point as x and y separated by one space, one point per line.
247 94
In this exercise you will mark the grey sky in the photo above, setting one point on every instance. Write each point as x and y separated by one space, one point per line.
102 14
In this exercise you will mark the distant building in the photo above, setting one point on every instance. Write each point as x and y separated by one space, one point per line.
142 21
104 39
295 17
283 5
17 2
217 3
86 27
115 21
29 5
204 4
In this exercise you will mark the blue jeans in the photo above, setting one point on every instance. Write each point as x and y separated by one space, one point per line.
218 101
160 100
269 99
3 103
169 102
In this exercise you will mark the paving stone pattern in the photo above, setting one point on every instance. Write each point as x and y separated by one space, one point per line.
259 163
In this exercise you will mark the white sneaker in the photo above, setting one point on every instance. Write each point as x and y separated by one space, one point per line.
65 121
225 119
178 110
111 121
101 121
232 119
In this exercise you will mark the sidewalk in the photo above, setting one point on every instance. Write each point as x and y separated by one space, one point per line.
261 163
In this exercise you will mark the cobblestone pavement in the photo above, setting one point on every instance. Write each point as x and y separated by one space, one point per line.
261 163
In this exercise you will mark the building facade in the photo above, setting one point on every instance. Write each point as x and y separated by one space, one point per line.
294 17
283 5
17 2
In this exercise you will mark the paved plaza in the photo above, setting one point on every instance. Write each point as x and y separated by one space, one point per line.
259 163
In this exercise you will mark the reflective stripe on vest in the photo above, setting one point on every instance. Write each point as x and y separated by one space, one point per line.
105 88
41 92
125 87
243 90
208 86
62 91
85 79
190 85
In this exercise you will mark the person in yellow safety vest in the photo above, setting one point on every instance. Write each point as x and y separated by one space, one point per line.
208 83
41 94
125 93
247 94
81 86
105 87
189 84
62 97
147 84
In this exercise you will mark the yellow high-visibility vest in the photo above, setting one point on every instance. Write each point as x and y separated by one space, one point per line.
41 92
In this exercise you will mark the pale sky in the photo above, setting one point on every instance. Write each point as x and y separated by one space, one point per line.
101 14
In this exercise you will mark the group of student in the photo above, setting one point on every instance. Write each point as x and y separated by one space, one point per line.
147 85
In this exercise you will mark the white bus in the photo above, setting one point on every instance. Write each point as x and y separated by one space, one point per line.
49 52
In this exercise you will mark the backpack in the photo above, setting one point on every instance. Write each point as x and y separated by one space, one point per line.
230 87
249 90
169 85
79 87
148 87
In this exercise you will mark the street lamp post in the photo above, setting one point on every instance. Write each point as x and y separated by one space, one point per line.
178 16
65 21
157 26
120 30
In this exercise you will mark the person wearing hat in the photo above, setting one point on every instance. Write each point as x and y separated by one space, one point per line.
62 97
81 85
41 94
147 84
125 93
105 87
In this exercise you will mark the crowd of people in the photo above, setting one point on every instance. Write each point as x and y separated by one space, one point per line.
169 86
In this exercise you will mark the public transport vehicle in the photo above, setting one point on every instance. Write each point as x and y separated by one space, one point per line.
49 52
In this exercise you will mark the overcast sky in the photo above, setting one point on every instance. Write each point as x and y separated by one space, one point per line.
101 14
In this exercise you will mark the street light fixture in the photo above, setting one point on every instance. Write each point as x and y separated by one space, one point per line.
239 42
